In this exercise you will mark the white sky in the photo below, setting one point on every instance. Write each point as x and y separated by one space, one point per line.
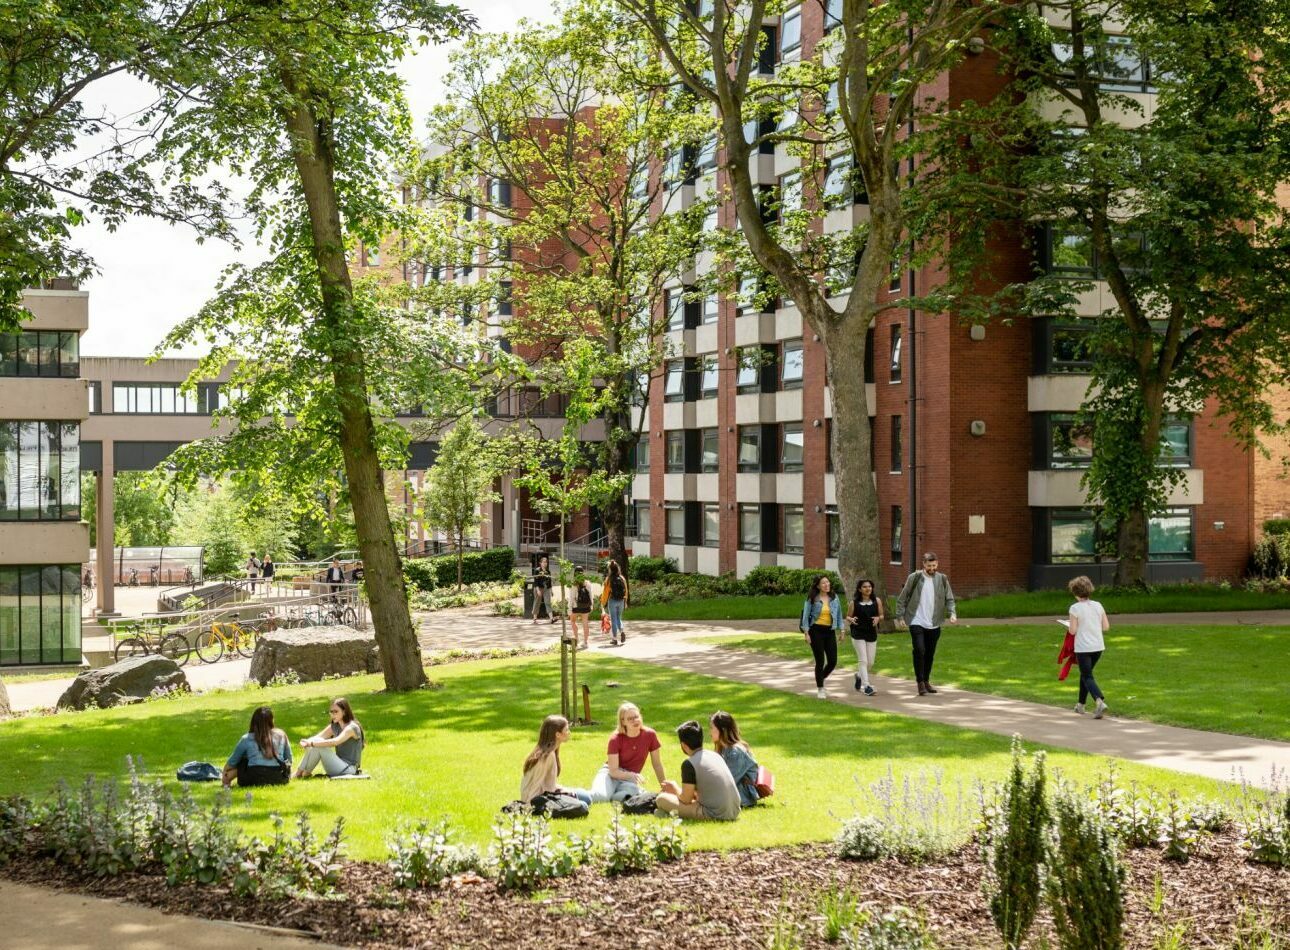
152 275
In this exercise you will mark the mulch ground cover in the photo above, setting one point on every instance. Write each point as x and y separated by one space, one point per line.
711 900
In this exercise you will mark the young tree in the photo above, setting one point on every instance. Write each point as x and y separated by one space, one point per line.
543 184
881 56
305 104
1175 207
460 480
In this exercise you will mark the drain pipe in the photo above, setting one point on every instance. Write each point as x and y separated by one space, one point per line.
913 381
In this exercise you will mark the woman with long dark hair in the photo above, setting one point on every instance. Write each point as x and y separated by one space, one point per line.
866 616
737 756
820 624
542 767
338 747
262 756
613 599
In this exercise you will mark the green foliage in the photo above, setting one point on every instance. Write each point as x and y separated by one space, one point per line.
229 522
497 594
17 818
1085 884
492 566
639 846
774 579
863 838
525 853
896 929
1276 526
646 569
460 480
840 909
916 821
1013 846
1265 829
426 856
1270 559
283 866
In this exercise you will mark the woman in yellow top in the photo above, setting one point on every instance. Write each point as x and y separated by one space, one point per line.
820 624
613 599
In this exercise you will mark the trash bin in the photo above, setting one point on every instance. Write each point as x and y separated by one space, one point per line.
528 600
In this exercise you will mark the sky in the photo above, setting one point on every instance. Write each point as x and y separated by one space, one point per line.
152 275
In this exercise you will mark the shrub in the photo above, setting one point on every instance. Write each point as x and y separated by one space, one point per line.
649 569
1277 526
1086 879
1177 833
506 608
282 866
1134 816
638 847
524 853
919 822
477 567
443 598
863 839
426 857
1270 558
898 929
774 579
1265 830
1013 849
17 817
840 910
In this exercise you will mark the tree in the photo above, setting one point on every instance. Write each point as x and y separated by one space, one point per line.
143 506
542 181
1176 209
881 57
304 103
460 480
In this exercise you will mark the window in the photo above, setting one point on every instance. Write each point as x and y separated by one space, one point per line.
675 515
895 353
675 442
838 181
750 527
40 353
792 443
832 15
1068 348
897 532
40 471
750 448
790 31
835 530
710 310
706 160
674 308
790 193
748 375
40 614
154 399
794 529
766 52
1072 536
1175 443
96 397
677 166
499 193
1113 61
1070 445
1070 251
895 285
791 365
828 444
710 450
897 448
709 376
841 274
642 454
503 298
751 296
371 256
640 510
674 381
711 525
1170 535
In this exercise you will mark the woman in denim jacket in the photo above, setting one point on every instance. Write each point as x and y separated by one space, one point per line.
820 624
737 756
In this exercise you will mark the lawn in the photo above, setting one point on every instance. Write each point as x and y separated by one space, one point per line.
455 752
1223 679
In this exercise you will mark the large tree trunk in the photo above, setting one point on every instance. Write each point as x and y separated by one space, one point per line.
1133 534
387 594
614 513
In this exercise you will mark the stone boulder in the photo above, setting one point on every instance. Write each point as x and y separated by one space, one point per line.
130 681
314 653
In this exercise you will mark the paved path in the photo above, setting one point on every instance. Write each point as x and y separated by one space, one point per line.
38 918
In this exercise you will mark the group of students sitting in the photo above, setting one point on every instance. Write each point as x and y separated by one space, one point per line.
714 785
263 755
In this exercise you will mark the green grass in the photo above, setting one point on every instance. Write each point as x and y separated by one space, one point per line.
455 752
760 607
1222 679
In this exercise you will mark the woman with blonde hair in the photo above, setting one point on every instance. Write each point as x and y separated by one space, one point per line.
542 767
737 756
631 744
1087 620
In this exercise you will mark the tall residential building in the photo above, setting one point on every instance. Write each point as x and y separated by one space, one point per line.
43 541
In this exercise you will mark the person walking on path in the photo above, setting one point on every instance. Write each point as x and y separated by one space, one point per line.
542 589
334 577
267 570
925 602
866 617
613 598
820 624
1088 621
580 611
252 570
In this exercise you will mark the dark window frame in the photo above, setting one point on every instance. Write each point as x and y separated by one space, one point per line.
787 511
784 430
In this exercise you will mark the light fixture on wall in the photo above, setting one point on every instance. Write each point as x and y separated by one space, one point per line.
815 337
818 509
816 424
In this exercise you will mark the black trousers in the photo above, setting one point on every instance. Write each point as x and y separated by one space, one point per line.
824 647
1087 685
924 640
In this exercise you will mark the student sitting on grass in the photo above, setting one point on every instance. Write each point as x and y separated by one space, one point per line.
542 767
735 753
338 748
262 756
629 747
707 791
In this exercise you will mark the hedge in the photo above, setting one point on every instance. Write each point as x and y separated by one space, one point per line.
642 568
477 567
1277 526
773 579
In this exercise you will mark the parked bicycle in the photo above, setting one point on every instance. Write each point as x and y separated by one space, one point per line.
337 613
230 637
138 639
87 586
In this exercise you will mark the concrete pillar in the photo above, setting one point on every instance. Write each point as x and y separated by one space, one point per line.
511 500
105 532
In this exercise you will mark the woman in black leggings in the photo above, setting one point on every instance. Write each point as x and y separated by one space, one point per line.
820 624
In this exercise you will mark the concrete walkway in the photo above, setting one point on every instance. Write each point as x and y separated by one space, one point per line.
38 918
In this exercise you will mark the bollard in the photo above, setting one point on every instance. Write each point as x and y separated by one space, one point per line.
586 704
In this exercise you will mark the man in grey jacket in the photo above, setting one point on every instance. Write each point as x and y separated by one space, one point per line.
924 603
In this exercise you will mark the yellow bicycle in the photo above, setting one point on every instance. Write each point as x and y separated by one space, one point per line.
227 637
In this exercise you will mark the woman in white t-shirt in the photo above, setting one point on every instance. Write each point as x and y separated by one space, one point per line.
1088 621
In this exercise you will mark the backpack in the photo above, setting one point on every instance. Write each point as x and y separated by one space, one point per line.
584 598
617 588
640 804
197 772
555 805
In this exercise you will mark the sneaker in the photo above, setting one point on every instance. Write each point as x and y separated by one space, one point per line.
821 694
622 636
859 685
931 688
869 691
1079 708
1101 709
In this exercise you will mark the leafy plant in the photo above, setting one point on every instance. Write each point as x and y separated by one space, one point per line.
1086 879
1014 848
647 569
638 847
1265 829
426 857
840 910
17 817
284 865
1178 835
897 929
863 838
524 852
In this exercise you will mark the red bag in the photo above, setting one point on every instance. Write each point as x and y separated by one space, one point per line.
765 782
604 622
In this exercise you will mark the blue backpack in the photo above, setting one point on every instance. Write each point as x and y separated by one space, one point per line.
197 772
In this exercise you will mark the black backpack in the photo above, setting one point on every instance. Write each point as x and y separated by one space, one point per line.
584 597
617 588
640 804
556 805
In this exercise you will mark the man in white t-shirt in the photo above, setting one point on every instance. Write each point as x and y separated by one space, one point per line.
924 603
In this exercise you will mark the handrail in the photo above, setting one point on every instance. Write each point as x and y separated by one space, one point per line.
198 619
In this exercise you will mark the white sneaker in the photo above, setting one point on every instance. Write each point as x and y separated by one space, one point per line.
821 694
1079 708
1101 708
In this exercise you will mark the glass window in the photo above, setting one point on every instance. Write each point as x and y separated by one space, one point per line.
790 458
1070 445
675 441
706 160
794 529
641 510
709 376
751 296
1112 60
675 167
642 454
675 515
711 525
832 15
710 310
835 530
1072 536
711 450
674 381
790 193
40 471
750 448
40 614
1175 438
750 527
1069 349
897 446
897 535
153 398
791 366
748 376
790 31
1071 251
371 256
674 308
837 181
49 353
896 366
1170 535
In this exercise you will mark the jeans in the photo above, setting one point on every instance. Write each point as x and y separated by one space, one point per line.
924 642
615 618
581 794
541 598
606 789
332 763
1087 685
866 653
824 647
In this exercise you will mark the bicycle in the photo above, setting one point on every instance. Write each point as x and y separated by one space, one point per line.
87 587
331 614
140 641
230 636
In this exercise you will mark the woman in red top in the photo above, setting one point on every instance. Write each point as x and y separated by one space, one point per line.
633 742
